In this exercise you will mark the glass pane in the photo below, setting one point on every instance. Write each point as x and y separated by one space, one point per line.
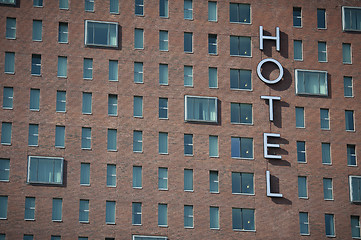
247 183
329 225
57 209
137 177
87 103
325 119
33 135
114 6
29 208
212 44
163 178
138 107
162 214
246 147
321 18
4 207
86 138
349 119
137 141
303 217
63 33
163 40
59 136
347 85
6 133
110 212
297 17
60 101
213 181
136 213
9 62
322 52
248 219
346 53
327 189
214 217
88 68
188 9
138 8
163 74
236 219
212 77
212 11
351 155
236 182
89 5
113 70
112 105
34 99
62 66
138 38
84 211
188 216
188 76
10 28
163 143
301 152
302 187
36 64
112 140
213 146
297 49
300 117
188 180
4 169
138 72
63 4
37 30
8 96
163 8
188 45
85 174
326 153
111 175
188 144
163 108
236 147
355 226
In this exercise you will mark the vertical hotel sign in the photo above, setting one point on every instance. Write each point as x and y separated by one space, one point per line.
271 99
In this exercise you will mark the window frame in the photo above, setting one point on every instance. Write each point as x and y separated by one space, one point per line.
241 216
238 16
216 11
186 119
134 213
304 223
10 27
311 94
6 126
189 208
214 181
300 191
324 16
188 36
8 98
86 44
352 200
28 181
29 209
239 110
348 78
343 19
240 148
297 17
5 172
325 120
9 58
328 189
294 50
242 192
322 52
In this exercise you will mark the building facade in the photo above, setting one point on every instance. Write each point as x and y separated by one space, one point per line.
157 119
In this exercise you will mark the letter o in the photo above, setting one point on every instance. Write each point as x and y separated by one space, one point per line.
267 80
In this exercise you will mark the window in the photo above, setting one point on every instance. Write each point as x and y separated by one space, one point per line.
162 215
138 38
137 141
188 9
163 40
213 146
2 236
136 213
188 144
329 225
85 174
212 11
188 216
327 189
87 103
212 77
29 208
28 237
111 175
163 8
346 53
84 211
301 152
114 6
242 183
351 155
4 169
55 237
137 177
139 7
163 108
110 212
243 219
355 227
8 96
88 68
36 64
86 137
10 2
239 13
33 134
212 43
240 46
3 207
112 105
138 106
59 136
297 50
62 67
63 4
355 188
135 237
213 182
321 18
34 99
10 28
37 30
311 82
201 109
302 187
60 101
104 34
113 70
188 42
241 113
63 32
188 76
297 17
188 180
163 143
326 153
347 87
163 74
46 170
138 72
89 5
325 118
112 140
162 178
242 147
300 117
304 229
351 19
240 79
6 133
10 62
349 120
322 52
82 238
37 3
214 217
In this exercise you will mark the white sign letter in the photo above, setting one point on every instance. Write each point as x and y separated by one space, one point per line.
267 80
276 38
270 99
269 194
267 145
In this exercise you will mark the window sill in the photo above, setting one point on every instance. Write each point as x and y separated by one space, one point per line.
241 23
3 219
325 129
163 226
140 117
239 123
134 224
60 147
34 110
29 220
138 48
213 54
188 155
214 156
89 79
64 77
321 28
110 115
346 63
245 194
243 230
302 162
163 153
57 221
137 187
163 189
11 38
298 60
333 236
163 84
60 111
10 73
63 42
163 118
6 144
137 151
246 56
33 145
111 186
110 223
351 165
214 192
84 222
115 150
327 164
241 158
189 190
113 80
188 52
88 149
214 228
300 127
304 198
36 75
188 86
241 89
213 87
329 199
4 181
87 113
350 130
297 26
189 227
